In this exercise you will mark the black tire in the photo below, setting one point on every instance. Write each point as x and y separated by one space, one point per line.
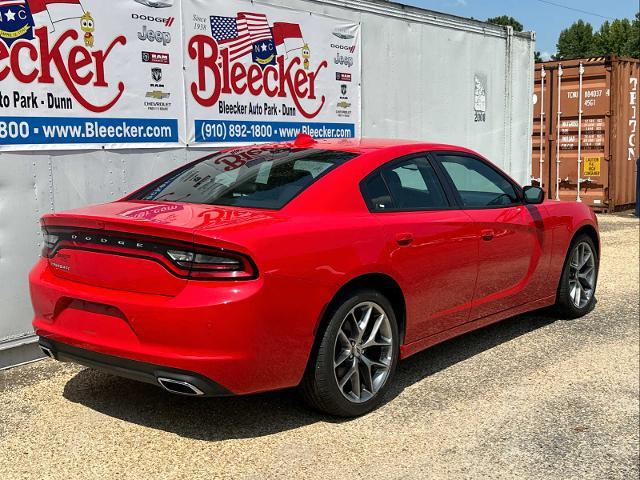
320 387
565 306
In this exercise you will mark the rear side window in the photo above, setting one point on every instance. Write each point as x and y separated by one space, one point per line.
377 194
263 177
478 184
409 185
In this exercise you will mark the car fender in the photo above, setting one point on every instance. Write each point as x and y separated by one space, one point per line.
565 220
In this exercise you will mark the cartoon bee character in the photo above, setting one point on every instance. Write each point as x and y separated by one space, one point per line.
305 55
88 27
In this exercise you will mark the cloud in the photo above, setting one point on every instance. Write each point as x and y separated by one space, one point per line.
545 55
460 3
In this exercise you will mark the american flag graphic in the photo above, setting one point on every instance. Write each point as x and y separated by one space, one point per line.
49 12
240 33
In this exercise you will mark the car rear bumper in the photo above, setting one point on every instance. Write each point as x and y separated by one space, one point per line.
186 383
243 337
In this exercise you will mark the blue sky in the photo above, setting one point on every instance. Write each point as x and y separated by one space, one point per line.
545 19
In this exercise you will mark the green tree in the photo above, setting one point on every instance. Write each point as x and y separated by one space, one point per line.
613 38
507 21
576 41
537 57
633 43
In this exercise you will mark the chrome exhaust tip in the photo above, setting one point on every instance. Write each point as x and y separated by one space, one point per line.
179 387
47 351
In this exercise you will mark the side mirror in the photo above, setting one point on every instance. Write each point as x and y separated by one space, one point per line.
533 195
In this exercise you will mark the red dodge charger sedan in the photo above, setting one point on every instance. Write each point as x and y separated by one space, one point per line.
317 264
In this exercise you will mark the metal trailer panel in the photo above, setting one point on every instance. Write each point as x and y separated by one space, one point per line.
520 128
32 184
417 82
595 146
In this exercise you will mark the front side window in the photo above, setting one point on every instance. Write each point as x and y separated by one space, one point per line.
409 185
257 177
478 184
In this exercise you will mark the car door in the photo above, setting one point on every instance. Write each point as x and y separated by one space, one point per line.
431 244
509 247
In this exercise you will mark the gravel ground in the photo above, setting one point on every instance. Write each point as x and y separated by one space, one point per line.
531 397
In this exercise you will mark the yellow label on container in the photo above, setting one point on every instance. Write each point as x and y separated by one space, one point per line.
591 166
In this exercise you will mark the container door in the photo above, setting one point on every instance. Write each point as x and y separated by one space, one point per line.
577 123
541 141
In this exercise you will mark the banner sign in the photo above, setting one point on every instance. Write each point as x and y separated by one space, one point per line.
256 73
169 73
90 73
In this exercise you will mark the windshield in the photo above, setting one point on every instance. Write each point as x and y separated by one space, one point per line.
259 177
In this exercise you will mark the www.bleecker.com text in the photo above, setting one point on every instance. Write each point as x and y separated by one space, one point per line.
93 129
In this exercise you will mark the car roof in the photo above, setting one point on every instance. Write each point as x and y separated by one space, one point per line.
366 145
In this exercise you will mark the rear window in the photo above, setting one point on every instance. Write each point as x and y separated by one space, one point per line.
259 177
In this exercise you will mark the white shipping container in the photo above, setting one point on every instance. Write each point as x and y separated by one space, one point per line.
425 75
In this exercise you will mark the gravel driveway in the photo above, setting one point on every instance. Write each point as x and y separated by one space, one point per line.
530 397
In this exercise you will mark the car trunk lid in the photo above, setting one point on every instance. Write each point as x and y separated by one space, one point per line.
123 245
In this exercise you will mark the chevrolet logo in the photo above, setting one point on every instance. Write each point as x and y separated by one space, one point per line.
157 94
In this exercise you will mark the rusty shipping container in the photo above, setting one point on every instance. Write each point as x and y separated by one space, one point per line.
585 130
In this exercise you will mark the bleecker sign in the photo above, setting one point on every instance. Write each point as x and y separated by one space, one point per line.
75 73
256 73
591 166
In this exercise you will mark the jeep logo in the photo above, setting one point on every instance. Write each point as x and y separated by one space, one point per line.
154 36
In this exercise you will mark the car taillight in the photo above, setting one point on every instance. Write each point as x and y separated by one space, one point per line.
50 242
213 264
181 259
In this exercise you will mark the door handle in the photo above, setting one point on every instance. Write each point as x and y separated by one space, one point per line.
404 239
487 235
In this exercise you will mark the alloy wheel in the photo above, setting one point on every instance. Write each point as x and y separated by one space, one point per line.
363 352
582 275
